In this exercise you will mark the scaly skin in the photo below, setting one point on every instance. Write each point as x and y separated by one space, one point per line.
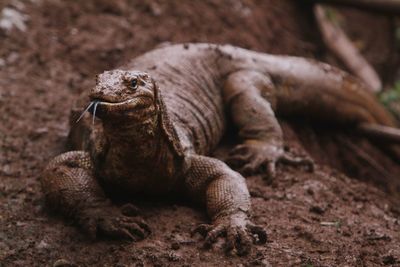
165 111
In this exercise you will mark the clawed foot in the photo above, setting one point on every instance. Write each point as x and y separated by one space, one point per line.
110 222
259 157
239 232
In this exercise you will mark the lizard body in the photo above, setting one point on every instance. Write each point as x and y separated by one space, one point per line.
165 111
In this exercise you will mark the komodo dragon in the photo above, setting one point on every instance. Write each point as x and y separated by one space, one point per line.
165 111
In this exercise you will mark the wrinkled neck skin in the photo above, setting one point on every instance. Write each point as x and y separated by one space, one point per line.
135 140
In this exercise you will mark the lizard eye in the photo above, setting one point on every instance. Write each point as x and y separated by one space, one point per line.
133 84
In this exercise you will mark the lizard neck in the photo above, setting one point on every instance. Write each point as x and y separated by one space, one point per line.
139 141
142 147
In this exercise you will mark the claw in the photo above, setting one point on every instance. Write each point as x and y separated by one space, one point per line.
271 169
129 210
230 241
135 229
239 149
202 229
109 222
257 157
259 233
90 227
238 160
213 235
239 236
248 169
243 243
297 161
144 225
122 230
241 152
106 228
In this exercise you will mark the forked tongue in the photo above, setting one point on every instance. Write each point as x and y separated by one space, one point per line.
92 103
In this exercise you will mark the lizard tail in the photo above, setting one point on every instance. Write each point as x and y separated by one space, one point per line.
314 89
343 100
318 90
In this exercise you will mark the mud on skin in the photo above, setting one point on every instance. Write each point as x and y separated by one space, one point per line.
164 112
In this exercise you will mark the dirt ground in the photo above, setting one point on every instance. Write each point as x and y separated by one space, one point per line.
51 54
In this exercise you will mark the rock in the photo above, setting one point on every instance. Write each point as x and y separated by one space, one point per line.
63 263
11 18
42 245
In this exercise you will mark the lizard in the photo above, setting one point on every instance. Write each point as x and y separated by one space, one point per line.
164 112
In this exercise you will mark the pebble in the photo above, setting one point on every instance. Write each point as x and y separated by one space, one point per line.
63 263
42 245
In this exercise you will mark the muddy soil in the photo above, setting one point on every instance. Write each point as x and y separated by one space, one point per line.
344 214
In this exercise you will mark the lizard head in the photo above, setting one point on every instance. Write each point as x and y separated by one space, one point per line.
120 95
131 101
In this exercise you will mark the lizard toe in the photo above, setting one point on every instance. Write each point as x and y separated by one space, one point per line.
238 240
259 234
249 169
89 225
236 161
130 210
241 149
239 234
112 230
289 159
135 230
109 222
122 228
243 242
201 229
213 235
254 166
269 169
143 225
210 233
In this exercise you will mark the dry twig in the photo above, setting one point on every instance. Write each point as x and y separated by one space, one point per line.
342 47
384 133
385 6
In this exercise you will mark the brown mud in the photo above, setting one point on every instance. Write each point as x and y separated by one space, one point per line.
313 219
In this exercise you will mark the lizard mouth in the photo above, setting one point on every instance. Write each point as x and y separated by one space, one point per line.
100 107
131 105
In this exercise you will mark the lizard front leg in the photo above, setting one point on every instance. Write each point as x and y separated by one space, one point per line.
225 193
249 95
70 186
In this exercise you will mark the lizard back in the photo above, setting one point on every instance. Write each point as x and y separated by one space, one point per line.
190 84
